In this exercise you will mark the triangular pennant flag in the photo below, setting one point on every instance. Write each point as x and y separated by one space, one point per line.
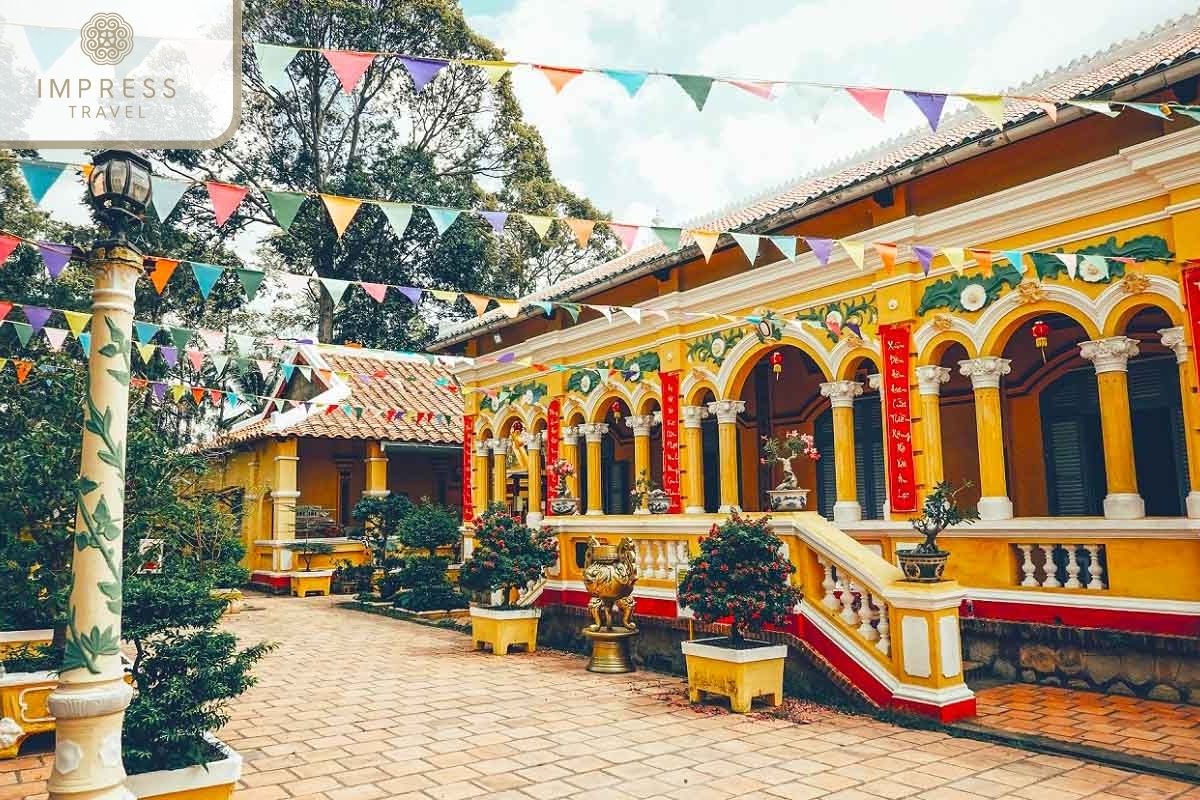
930 105
37 316
496 219
582 228
540 224
265 367
763 89
181 336
220 362
142 45
285 206
305 371
170 355
244 342
376 291
956 256
195 358
605 310
287 370
3 363
213 340
215 396
335 288
696 86
166 195
493 70
856 250
198 395
177 391
398 215
924 256
706 241
161 272
341 210
992 106
478 302
146 352
626 233
511 308
273 60
630 81
146 331
422 70
85 343
442 218
1192 112
206 276
1050 108
821 248
76 321
634 314
349 66
251 279
749 244
545 305
138 383
412 293
8 243
23 367
40 176
56 337
24 331
5 307
558 76
983 258
1098 106
887 254
445 295
159 389
225 199
669 237
573 309
786 245
1101 268
874 101
1153 109
55 256
1070 261
1014 258
48 44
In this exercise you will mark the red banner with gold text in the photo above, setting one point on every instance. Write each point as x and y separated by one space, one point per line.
1191 298
670 438
468 496
895 343
553 440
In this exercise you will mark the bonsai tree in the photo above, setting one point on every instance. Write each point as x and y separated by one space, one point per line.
563 469
428 527
642 488
307 549
783 451
939 512
379 520
740 573
508 555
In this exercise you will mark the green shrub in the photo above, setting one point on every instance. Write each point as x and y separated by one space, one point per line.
507 555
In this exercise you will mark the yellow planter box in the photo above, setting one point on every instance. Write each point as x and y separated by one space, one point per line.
740 675
315 582
500 628
23 710
11 641
215 780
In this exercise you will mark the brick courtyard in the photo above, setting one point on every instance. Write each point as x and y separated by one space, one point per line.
356 707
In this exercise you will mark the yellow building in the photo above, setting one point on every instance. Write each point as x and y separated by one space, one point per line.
1083 448
348 424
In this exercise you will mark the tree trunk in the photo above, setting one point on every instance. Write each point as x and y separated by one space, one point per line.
324 318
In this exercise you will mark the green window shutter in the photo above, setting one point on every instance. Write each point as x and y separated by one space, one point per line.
826 486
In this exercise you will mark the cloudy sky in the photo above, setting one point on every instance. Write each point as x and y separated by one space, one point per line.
655 154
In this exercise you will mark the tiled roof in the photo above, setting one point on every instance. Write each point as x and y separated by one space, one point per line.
1165 46
387 382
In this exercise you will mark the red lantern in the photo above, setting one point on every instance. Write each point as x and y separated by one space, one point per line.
777 363
1041 332
518 426
616 410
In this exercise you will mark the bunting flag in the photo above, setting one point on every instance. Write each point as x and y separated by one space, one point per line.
161 272
166 195
496 219
85 341
225 197
630 81
206 276
924 256
956 256
422 70
376 291
195 358
478 302
873 101
930 105
1070 261
55 256
341 211
626 233
77 321
23 330
5 307
335 288
398 215
251 279
40 176
1153 109
540 224
821 248
37 317
786 244
349 66
697 87
492 70
582 228
48 44
573 309
285 206
1014 258
760 89
887 254
56 337
145 352
1098 106
749 244
707 242
7 245
991 105
442 218
145 331
983 258
412 293
558 76
668 236
273 60
23 367
1101 268
856 250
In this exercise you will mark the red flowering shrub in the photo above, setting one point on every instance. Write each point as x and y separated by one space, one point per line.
740 573
507 554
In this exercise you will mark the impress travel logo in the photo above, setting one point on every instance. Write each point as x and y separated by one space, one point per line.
130 73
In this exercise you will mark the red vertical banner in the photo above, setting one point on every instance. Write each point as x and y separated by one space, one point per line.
670 438
895 343
1191 298
468 481
553 440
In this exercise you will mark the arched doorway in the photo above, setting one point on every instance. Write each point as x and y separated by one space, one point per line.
616 458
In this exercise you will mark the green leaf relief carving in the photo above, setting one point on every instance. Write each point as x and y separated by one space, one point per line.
100 423
118 346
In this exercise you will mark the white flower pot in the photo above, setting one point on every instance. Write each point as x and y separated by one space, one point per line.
787 499
215 779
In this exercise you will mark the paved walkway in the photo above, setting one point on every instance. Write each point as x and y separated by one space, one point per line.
1146 728
357 707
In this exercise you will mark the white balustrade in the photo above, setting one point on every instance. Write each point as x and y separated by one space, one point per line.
854 606
659 559
883 628
1079 567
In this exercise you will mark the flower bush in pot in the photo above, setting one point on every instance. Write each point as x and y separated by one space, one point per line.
926 562
739 574
508 557
787 496
647 490
562 504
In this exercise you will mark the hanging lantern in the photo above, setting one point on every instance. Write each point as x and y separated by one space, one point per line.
616 410
777 363
1041 332
518 426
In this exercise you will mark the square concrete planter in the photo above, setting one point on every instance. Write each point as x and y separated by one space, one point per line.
741 675
315 582
214 780
23 709
501 628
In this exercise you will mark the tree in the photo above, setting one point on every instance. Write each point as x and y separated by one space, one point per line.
427 527
307 549
379 521
507 555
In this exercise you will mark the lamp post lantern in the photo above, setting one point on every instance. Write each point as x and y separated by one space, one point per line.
90 700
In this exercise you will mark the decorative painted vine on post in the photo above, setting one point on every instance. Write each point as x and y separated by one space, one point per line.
840 317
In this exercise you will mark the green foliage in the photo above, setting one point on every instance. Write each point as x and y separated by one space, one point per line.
426 586
379 520
740 573
715 346
507 555
428 526
947 293
583 381
355 578
307 549
939 512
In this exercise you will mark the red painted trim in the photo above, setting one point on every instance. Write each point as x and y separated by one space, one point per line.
1105 618
952 712
271 581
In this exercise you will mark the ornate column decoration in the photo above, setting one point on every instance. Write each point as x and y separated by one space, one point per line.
929 384
594 433
499 448
641 425
1111 359
533 446
841 394
985 373
726 412
693 458
376 468
1176 339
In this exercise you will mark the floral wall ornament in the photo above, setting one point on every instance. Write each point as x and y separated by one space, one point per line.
1134 283
969 293
1030 291
943 322
843 317
583 381
1140 248
715 346
528 393
634 368
767 325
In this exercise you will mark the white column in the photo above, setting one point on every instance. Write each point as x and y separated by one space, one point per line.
533 447
693 457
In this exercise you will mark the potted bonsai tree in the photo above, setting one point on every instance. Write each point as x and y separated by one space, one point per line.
508 556
562 504
788 496
428 527
739 574
309 582
645 489
926 562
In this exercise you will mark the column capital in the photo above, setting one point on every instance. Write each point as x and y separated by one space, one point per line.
482 447
593 431
726 411
1174 338
640 424
841 394
532 441
931 377
694 415
985 372
498 446
1111 354
570 434
874 381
